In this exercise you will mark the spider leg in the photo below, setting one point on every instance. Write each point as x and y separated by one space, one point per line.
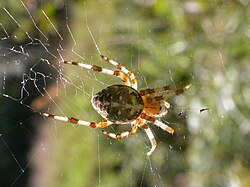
142 125
156 105
157 123
119 74
150 135
123 134
130 74
153 91
77 121
171 94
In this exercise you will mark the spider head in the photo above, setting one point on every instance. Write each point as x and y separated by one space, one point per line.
98 106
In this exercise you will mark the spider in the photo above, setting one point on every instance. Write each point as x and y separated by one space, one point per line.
125 104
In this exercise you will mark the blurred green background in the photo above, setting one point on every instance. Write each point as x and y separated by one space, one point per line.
205 43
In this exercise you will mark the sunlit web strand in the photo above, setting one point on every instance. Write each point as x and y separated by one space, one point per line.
34 21
11 153
61 38
86 20
73 38
18 23
8 36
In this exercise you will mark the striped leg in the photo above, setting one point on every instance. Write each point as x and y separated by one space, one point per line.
173 93
78 121
155 90
130 74
155 99
150 135
157 123
123 134
119 74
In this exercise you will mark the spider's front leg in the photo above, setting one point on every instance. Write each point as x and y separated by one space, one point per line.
154 91
172 93
77 121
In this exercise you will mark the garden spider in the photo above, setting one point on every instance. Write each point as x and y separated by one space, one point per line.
124 104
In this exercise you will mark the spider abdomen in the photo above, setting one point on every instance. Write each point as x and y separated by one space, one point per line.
118 103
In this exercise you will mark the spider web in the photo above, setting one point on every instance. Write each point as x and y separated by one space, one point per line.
161 42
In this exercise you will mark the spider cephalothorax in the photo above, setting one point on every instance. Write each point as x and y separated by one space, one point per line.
124 104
